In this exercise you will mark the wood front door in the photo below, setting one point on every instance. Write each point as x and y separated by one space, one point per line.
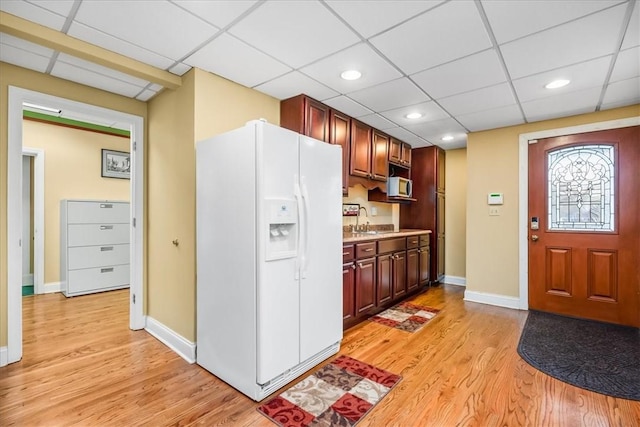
584 256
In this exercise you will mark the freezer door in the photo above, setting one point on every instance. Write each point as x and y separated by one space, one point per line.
278 331
321 254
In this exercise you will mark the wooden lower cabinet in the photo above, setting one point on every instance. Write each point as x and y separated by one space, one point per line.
365 284
348 292
399 267
385 279
424 253
413 269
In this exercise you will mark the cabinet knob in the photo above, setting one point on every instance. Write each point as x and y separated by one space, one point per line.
353 266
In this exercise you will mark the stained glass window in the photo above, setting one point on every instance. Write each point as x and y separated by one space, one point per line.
581 188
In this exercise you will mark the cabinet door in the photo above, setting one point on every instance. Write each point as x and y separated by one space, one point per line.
385 277
440 161
360 164
365 284
425 258
405 155
399 262
348 291
379 159
340 134
413 269
316 120
395 151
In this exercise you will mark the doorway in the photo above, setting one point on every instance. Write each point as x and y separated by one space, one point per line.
17 97
523 186
33 161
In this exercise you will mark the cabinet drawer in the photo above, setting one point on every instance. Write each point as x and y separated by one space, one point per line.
96 256
424 239
97 279
348 253
413 242
98 234
97 212
365 250
392 245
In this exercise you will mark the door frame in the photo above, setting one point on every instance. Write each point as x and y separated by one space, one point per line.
523 189
17 96
38 217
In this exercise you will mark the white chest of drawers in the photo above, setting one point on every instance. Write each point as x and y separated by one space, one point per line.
94 246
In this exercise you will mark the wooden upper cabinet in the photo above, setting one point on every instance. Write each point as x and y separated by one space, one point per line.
395 151
340 134
379 158
405 155
306 116
360 164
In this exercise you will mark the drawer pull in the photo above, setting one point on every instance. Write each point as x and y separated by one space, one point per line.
361 265
367 250
345 253
106 227
106 270
414 241
106 205
106 248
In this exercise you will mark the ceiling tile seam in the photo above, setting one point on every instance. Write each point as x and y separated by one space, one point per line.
52 62
104 75
623 31
503 64
65 29
147 87
221 31
571 21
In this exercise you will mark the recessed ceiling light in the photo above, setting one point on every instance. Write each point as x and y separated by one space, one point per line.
557 84
351 75
413 115
447 138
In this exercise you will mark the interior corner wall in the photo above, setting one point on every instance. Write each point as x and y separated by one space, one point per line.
492 166
11 75
73 161
455 225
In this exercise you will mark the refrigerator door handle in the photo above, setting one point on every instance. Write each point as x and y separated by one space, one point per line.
297 193
305 228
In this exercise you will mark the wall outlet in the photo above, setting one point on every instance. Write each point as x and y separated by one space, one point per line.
374 211
494 211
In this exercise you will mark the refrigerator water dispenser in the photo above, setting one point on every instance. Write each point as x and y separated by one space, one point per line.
282 217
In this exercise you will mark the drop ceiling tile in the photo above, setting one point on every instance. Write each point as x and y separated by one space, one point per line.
583 76
22 44
458 141
632 36
434 131
430 111
123 47
478 100
295 32
587 38
627 65
262 68
410 138
371 17
146 95
448 32
566 104
389 95
33 13
491 119
23 58
179 69
377 121
295 83
87 73
219 13
623 91
158 26
473 72
514 19
347 106
360 57
155 87
61 7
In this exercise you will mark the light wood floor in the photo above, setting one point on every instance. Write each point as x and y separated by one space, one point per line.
82 366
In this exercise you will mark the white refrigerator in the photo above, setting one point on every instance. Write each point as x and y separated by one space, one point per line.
269 255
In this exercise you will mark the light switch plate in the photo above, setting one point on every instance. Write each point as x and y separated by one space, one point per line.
493 211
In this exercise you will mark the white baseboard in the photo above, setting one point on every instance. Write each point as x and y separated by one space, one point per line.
4 356
52 287
185 348
27 279
455 280
492 299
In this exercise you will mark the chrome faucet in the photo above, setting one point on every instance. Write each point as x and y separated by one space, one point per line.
358 218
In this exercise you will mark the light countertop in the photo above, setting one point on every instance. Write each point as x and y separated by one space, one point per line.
362 236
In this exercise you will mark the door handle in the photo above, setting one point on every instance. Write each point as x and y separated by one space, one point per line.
534 237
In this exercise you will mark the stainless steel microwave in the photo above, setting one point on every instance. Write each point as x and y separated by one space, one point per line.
398 187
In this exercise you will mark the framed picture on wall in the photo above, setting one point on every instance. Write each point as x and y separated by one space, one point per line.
116 164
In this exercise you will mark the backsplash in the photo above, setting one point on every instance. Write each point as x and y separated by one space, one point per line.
377 213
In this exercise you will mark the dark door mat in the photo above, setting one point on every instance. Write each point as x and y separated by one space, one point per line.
596 356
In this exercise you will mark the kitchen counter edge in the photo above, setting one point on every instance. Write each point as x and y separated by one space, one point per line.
352 238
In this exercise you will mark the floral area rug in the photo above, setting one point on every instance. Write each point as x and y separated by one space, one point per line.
338 394
406 316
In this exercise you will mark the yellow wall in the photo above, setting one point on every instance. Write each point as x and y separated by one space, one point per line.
455 230
32 80
492 166
205 105
72 171
387 213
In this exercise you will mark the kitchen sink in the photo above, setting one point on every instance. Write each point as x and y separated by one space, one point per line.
365 232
